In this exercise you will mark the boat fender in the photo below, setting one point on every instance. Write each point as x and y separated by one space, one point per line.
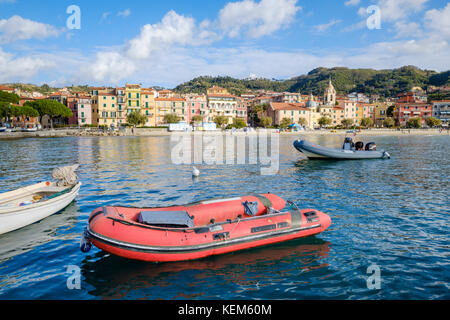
85 244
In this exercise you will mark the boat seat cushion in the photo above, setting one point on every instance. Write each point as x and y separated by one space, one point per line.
172 219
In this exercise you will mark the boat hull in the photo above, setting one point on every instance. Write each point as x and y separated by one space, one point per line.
13 219
313 151
111 231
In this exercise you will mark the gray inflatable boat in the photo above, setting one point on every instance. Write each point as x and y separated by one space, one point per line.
348 152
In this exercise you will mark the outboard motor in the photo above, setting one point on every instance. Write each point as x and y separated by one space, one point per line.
371 146
359 146
348 144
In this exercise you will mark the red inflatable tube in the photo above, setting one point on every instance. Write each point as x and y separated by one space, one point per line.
220 226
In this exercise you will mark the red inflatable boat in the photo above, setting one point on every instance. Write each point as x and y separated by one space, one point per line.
199 229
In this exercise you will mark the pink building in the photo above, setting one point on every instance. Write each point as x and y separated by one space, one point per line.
241 109
197 106
81 106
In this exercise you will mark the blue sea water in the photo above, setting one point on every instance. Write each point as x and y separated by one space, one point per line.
390 213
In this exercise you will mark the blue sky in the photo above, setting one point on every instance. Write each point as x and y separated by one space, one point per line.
168 42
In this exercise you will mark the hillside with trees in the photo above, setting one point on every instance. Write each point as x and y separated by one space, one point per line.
385 83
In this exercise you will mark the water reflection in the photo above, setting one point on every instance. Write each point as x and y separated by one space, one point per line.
113 277
53 228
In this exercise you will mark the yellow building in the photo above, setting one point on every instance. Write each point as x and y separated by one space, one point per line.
104 107
379 114
148 106
363 110
293 111
216 90
165 106
133 97
337 115
121 105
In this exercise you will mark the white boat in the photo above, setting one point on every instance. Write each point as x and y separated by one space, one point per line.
31 204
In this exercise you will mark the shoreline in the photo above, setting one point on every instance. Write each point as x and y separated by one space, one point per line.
158 133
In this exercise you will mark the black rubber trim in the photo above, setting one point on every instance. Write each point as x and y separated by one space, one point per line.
194 248
264 228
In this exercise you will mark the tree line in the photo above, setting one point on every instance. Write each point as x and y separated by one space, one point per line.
35 109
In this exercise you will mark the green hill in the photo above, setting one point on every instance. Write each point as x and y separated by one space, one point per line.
386 83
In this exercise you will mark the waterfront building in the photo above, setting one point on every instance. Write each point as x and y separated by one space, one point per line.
121 105
363 110
170 106
222 103
379 114
405 111
81 106
197 105
133 98
349 109
293 111
441 111
148 106
337 115
104 107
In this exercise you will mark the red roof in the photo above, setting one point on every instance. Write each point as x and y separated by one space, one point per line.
288 106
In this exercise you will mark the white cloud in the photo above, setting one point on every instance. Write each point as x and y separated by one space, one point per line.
21 68
109 66
177 49
352 2
326 26
125 13
439 21
257 19
174 29
407 29
394 10
18 28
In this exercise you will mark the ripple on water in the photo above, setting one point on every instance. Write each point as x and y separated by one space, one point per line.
391 213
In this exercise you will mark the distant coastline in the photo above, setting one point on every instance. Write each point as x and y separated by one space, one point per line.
138 132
